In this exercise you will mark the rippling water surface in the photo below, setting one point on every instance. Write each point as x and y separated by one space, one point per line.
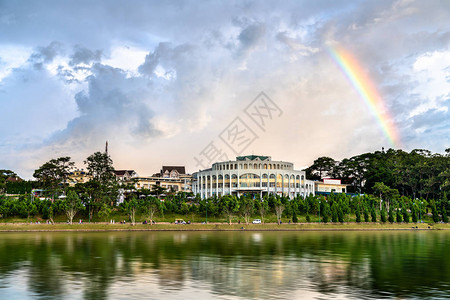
225 265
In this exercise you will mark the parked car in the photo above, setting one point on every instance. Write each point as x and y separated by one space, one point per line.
257 221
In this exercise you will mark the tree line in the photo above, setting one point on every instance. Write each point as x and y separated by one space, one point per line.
392 186
417 174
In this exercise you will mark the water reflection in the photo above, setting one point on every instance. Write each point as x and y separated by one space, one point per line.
242 265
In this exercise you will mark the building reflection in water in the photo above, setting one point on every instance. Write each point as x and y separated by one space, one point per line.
263 265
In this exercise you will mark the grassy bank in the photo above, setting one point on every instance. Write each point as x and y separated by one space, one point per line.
5 227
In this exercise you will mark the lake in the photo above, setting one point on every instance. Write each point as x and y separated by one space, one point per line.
225 265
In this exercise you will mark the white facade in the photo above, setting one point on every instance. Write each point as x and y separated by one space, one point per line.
251 174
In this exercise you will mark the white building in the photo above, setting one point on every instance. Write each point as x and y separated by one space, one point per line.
252 174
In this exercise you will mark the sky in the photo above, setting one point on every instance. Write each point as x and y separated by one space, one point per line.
195 82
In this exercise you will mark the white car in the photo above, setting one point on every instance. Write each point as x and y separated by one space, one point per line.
257 221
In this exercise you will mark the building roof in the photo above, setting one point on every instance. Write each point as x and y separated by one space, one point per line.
122 172
14 179
253 157
179 169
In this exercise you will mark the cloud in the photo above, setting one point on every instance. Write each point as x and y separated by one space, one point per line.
113 104
84 55
168 77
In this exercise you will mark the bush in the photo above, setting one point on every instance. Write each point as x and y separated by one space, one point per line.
294 217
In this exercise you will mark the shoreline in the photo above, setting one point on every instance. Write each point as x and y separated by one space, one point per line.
105 227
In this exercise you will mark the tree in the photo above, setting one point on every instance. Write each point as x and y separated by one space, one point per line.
405 214
72 204
434 212
366 214
54 172
279 208
105 211
373 214
130 208
444 215
100 167
294 217
263 208
334 213
247 205
383 215
391 216
414 213
358 215
158 190
399 215
229 206
150 206
325 211
323 166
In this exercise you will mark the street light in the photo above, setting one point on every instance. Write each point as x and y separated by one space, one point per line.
319 211
420 208
206 212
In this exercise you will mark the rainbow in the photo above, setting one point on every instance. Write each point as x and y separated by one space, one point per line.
363 85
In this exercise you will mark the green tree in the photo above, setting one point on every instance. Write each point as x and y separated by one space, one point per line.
263 208
398 216
373 214
444 215
158 190
72 204
130 208
366 214
358 215
414 213
247 205
150 206
54 173
105 211
405 214
229 206
100 167
279 208
383 215
391 216
323 166
334 214
294 217
434 212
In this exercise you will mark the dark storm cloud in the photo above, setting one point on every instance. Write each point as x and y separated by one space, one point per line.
250 37
84 55
48 53
113 104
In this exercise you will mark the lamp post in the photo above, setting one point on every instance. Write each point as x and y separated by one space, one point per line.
319 211
206 212
420 208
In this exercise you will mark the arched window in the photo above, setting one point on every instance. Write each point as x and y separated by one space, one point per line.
272 180
265 180
220 177
286 181
255 166
245 166
279 181
234 180
249 180
265 166
292 181
227 180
